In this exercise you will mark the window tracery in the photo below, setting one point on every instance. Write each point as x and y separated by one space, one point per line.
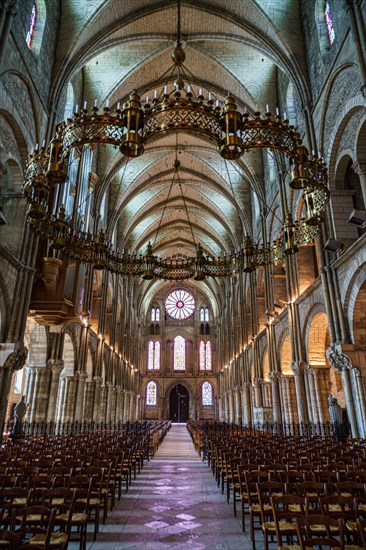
179 353
205 355
180 304
207 394
151 393
329 23
153 355
32 26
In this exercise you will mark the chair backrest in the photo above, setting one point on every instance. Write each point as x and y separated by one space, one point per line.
11 540
318 530
35 520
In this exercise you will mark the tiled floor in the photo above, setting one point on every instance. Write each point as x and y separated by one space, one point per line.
173 503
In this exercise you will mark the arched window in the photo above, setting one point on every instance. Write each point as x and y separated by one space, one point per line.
207 394
155 314
32 26
204 314
153 355
205 355
151 393
36 27
70 98
329 23
179 353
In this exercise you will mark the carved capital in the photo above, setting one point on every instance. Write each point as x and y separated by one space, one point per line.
274 376
359 168
16 360
339 361
298 367
257 381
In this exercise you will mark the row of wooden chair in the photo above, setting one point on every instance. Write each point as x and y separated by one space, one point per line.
73 490
314 475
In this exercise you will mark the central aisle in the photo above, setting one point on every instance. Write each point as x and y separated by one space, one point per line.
173 503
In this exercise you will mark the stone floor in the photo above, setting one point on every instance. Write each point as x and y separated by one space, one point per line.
173 503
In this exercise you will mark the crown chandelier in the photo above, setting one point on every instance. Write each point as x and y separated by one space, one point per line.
131 128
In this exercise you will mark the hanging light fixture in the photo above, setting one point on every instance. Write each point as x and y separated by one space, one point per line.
178 109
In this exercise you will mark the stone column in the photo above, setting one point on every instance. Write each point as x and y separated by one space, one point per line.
297 368
10 361
132 406
80 378
41 395
307 375
276 404
342 363
238 406
360 400
9 9
360 169
312 396
97 398
89 401
126 408
258 397
56 367
31 386
103 403
247 413
69 399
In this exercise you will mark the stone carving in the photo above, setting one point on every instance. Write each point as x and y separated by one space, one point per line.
298 367
7 140
16 360
338 359
19 413
18 92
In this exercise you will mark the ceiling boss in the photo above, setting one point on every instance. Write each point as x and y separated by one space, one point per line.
177 108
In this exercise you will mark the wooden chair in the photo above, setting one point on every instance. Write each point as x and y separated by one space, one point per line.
67 518
285 511
36 523
253 480
267 490
10 540
331 534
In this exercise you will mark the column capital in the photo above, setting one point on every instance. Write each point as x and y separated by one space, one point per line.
258 381
81 375
339 361
298 367
246 385
359 167
16 359
274 376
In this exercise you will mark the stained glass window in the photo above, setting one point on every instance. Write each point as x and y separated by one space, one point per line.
205 355
179 353
208 356
329 23
32 26
207 315
206 393
157 356
202 314
151 393
155 314
180 304
153 355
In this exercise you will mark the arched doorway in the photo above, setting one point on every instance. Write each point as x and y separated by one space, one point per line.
179 404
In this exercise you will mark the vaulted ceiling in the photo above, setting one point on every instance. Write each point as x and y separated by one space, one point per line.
237 46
